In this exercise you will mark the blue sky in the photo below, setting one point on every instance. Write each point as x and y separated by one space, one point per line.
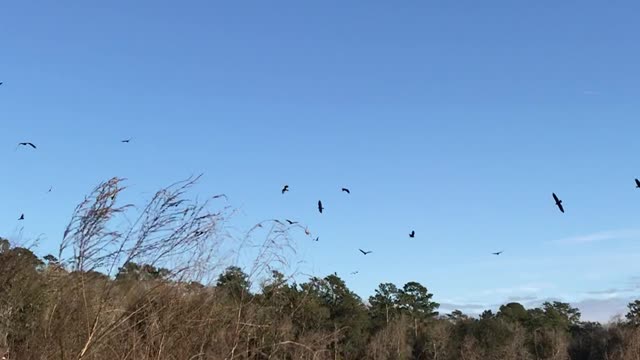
457 121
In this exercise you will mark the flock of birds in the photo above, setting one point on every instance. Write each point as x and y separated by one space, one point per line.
320 209
32 145
412 234
285 189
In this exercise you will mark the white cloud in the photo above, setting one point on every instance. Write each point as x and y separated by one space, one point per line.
602 310
519 290
601 236
527 298
471 308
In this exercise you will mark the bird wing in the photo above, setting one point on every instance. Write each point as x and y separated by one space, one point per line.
561 207
362 251
555 197
637 182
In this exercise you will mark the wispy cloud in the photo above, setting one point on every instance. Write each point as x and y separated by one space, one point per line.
519 290
522 298
601 236
611 291
471 308
602 310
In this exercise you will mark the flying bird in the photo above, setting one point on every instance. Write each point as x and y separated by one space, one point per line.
320 208
317 238
21 217
558 202
125 140
346 190
306 231
497 253
637 183
27 143
285 188
364 252
50 188
412 234
291 222
354 272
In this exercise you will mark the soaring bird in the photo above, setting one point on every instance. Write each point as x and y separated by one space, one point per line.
125 140
412 234
364 252
317 238
637 183
558 202
346 190
291 222
320 208
285 188
27 143
497 253
21 217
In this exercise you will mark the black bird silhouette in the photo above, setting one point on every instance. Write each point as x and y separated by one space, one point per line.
346 190
1 83
125 140
497 253
317 238
21 217
558 202
291 222
637 183
50 188
285 188
320 208
364 252
27 143
412 234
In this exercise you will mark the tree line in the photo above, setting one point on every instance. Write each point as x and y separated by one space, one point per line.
49 311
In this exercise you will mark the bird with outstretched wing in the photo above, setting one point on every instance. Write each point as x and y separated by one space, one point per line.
558 202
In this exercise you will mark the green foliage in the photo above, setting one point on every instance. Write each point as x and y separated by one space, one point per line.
135 272
46 310
560 315
457 316
633 316
383 305
415 300
234 282
513 312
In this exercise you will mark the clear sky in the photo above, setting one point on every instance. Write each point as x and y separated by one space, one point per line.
454 119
